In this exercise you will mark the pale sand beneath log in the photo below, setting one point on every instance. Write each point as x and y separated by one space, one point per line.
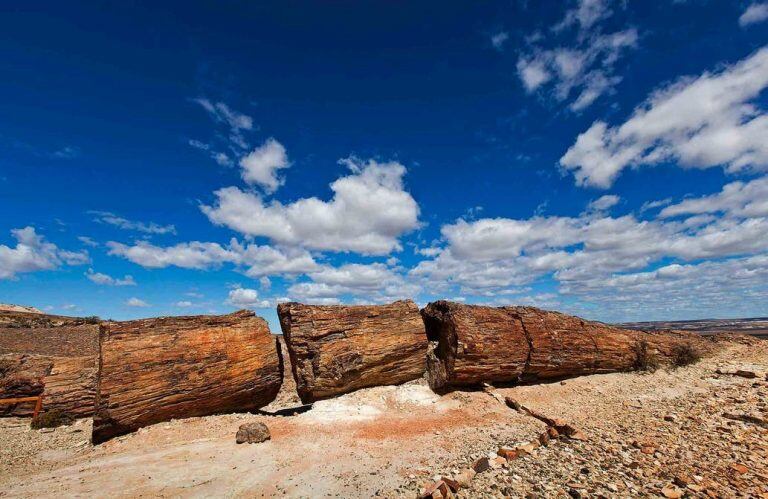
392 440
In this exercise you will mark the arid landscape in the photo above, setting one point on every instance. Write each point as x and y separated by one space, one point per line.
699 430
757 326
421 250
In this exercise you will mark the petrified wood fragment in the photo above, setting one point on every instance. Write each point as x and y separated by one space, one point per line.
154 370
49 355
472 344
336 349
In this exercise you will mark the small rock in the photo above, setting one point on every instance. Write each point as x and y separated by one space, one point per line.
739 468
482 464
553 433
527 448
544 438
671 492
252 433
464 477
452 484
682 480
508 454
578 435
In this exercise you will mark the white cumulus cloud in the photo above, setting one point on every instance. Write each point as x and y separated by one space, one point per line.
246 298
698 122
107 280
583 69
256 261
136 302
33 253
755 13
368 213
261 165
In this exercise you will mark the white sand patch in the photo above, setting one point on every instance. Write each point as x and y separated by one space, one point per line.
340 409
415 394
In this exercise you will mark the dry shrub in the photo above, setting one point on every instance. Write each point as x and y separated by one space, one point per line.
684 355
645 360
50 419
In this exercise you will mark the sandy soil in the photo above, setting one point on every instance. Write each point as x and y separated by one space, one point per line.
391 441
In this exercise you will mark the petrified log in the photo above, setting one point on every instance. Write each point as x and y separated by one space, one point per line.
336 349
154 370
49 355
472 344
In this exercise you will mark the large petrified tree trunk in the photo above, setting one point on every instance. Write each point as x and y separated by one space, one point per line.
50 355
336 349
474 344
153 370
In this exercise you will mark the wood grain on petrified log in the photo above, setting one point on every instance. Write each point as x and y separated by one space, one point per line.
336 349
154 370
474 344
49 355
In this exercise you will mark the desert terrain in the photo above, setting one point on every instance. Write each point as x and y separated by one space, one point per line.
755 326
697 431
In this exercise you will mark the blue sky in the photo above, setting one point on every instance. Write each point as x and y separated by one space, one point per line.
602 158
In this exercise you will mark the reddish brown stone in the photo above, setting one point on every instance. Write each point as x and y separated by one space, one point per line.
481 465
154 370
508 454
336 349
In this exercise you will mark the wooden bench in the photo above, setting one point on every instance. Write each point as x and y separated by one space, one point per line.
38 403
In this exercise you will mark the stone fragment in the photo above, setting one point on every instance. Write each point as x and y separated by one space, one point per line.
465 476
437 490
739 468
544 438
553 433
682 480
452 484
337 349
508 454
577 435
481 465
252 433
671 492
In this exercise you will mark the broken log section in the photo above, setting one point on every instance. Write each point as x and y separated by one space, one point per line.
52 356
336 349
472 344
154 370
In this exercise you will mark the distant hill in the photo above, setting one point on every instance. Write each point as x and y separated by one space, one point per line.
7 307
756 326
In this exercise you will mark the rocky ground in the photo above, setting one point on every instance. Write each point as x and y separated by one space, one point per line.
686 432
